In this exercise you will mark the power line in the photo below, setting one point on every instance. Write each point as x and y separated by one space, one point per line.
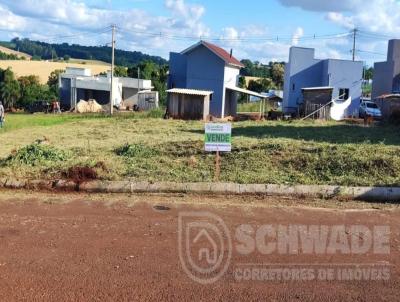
371 52
243 39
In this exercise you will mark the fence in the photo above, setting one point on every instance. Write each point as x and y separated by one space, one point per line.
321 111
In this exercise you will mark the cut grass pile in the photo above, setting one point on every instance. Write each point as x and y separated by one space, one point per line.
140 148
36 154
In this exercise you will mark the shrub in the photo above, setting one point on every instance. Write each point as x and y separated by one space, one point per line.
35 154
136 150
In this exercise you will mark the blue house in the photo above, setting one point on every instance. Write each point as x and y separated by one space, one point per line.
342 78
387 74
205 66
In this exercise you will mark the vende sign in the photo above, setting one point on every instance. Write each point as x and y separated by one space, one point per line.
218 137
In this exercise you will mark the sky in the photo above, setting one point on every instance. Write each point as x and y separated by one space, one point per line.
260 30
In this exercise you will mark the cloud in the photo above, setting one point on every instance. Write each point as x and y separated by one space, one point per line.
69 17
138 28
299 32
11 22
324 5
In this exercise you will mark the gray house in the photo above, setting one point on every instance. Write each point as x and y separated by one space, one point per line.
205 66
387 74
303 71
77 84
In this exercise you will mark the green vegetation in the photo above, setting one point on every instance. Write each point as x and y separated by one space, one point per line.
134 146
46 51
5 56
249 107
35 154
158 74
26 90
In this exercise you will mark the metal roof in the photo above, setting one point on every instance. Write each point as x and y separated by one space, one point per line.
190 91
386 96
220 52
318 88
249 92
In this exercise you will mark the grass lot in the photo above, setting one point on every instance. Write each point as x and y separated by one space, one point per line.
138 147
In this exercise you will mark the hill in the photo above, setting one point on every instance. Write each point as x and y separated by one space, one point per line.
14 52
43 68
46 51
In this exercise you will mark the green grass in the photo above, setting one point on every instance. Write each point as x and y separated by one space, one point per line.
21 121
142 146
249 107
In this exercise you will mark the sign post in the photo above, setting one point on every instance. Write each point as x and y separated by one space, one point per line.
218 138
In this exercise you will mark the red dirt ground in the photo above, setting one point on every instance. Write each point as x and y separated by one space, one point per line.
119 248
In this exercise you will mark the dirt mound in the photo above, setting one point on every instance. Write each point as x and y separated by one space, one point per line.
81 174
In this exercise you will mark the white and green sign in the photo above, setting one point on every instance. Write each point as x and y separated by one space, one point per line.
218 137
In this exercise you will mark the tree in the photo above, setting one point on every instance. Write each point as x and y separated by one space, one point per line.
255 86
120 71
30 90
369 73
9 89
242 82
67 58
278 74
261 85
158 74
52 82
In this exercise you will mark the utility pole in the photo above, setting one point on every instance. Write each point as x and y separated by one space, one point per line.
112 70
354 43
138 79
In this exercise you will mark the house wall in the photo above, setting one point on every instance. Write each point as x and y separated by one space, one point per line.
387 74
303 71
177 70
205 71
383 79
130 95
345 74
231 79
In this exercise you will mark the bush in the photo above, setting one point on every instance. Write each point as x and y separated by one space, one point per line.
136 150
35 154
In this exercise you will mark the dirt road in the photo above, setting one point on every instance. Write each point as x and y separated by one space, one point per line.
125 248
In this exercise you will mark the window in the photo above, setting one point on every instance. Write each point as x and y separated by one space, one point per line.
344 93
372 106
293 87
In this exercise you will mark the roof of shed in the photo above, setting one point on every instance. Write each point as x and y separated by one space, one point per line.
388 96
190 91
220 52
318 88
249 92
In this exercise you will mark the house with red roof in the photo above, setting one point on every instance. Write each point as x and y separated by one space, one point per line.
208 67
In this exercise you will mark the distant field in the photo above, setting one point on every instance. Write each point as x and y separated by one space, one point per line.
13 52
43 68
88 62
137 147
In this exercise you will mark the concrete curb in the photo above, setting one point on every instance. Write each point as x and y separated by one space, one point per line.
327 192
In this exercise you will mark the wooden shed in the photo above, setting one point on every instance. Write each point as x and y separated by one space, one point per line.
315 98
189 104
389 105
